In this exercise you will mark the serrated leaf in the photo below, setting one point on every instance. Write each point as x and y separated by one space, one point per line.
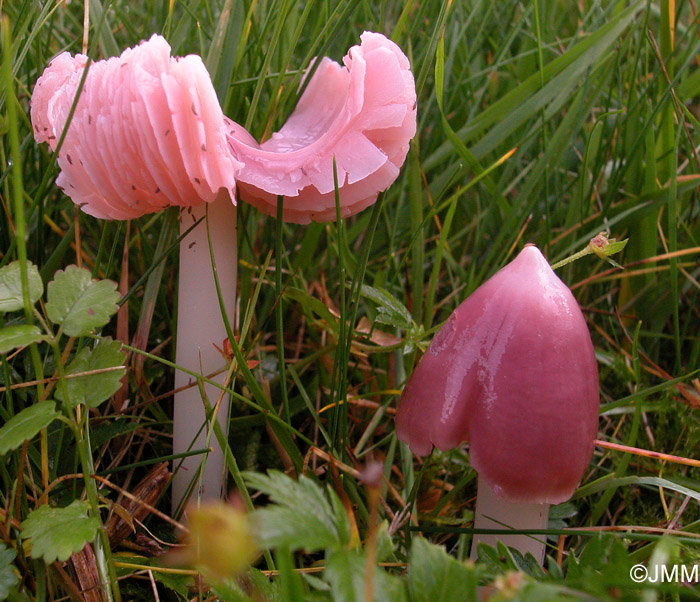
56 533
302 516
388 305
26 424
391 319
436 576
79 303
11 286
603 562
19 335
8 575
346 572
93 389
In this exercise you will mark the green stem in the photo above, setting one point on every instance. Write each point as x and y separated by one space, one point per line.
582 253
278 309
18 192
80 428
341 359
543 118
668 160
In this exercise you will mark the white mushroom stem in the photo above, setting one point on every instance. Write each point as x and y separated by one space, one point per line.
496 512
200 330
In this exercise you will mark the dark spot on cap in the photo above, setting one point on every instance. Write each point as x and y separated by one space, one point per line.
89 119
167 131
204 147
52 137
198 181
192 244
69 159
156 191
133 187
194 110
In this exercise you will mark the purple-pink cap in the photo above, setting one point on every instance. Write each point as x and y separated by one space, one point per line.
513 372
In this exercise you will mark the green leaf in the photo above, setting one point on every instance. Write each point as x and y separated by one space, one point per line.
26 424
346 571
302 517
664 557
11 286
391 311
257 584
93 389
19 335
385 544
230 591
56 533
603 563
79 303
436 576
311 305
179 583
8 574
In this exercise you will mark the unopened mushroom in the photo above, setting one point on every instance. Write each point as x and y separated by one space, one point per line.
513 372
362 114
147 133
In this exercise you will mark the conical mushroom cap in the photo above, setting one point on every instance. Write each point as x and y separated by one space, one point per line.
363 114
147 132
513 372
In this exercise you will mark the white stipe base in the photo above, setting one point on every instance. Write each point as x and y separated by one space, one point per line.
199 328
495 512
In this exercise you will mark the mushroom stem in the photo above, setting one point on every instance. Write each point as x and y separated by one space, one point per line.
496 512
200 330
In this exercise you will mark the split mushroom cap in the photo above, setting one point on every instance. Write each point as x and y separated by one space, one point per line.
363 114
513 372
147 132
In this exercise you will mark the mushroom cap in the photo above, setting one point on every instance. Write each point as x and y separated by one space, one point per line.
362 113
513 372
147 131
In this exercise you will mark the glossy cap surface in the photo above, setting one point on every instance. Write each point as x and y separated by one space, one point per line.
513 372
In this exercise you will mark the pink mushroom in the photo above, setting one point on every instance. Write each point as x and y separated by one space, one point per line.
147 133
513 372
362 114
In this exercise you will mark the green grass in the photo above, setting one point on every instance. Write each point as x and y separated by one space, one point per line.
543 123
